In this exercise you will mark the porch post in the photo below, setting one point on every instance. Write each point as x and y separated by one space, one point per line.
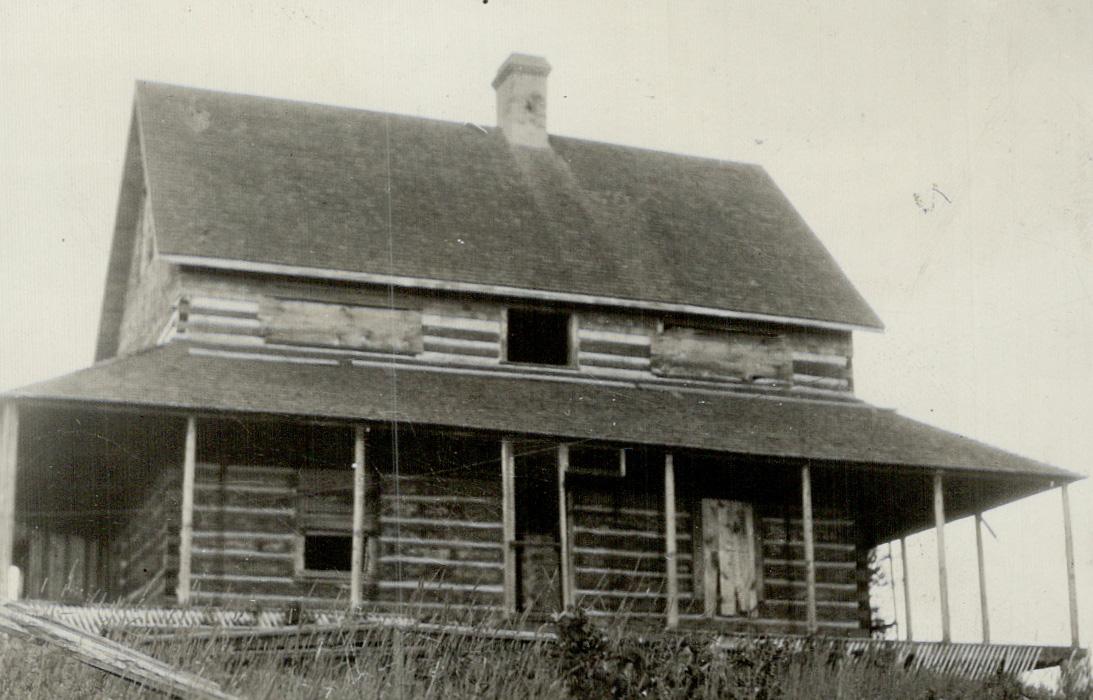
810 550
9 440
360 468
672 606
942 572
1071 580
508 524
186 533
565 554
983 614
906 587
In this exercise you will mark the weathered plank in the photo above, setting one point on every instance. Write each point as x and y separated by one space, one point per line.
341 325
703 354
109 656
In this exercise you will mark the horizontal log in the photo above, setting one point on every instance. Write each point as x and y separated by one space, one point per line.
253 520
484 335
216 496
824 531
238 583
439 508
825 552
613 347
204 563
256 475
644 581
821 369
646 542
269 542
425 528
401 570
796 611
782 589
842 572
445 550
455 346
426 485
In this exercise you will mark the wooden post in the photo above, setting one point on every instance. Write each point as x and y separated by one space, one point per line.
565 554
9 443
672 602
1071 580
356 567
508 524
186 533
942 571
983 614
810 549
906 588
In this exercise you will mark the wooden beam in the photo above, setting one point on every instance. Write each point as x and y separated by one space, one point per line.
906 588
186 533
672 602
107 655
356 567
1071 580
9 443
983 614
810 553
942 571
564 532
508 524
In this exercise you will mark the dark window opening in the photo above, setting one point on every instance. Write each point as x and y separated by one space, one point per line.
538 337
328 552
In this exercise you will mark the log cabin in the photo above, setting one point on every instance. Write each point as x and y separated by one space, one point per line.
365 360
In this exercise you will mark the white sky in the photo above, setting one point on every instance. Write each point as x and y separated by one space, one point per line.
988 295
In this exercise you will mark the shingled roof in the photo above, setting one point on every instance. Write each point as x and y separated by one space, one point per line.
183 377
237 178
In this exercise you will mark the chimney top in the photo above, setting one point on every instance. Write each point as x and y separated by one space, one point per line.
521 63
521 100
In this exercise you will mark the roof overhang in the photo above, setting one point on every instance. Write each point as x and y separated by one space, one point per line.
181 376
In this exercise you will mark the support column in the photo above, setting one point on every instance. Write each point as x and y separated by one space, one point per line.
810 549
983 613
9 442
906 588
1071 579
672 602
508 524
186 533
942 571
360 470
565 554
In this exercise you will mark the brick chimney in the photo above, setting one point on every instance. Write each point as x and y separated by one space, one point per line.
521 99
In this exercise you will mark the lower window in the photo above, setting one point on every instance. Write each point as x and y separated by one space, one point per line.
328 552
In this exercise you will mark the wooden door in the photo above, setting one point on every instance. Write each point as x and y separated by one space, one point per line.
728 543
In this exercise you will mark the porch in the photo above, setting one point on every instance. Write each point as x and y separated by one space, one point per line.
185 480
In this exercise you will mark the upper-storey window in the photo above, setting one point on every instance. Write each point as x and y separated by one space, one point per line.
539 337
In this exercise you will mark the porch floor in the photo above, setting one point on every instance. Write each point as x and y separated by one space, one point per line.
969 660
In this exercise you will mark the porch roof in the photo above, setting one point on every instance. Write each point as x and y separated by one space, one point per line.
180 376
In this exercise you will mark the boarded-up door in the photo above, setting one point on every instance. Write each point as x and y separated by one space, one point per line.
728 542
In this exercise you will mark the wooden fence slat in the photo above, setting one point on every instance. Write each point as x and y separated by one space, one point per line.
112 657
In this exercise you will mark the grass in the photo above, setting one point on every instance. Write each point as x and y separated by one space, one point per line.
585 661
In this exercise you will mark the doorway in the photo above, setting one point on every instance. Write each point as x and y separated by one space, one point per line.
730 573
